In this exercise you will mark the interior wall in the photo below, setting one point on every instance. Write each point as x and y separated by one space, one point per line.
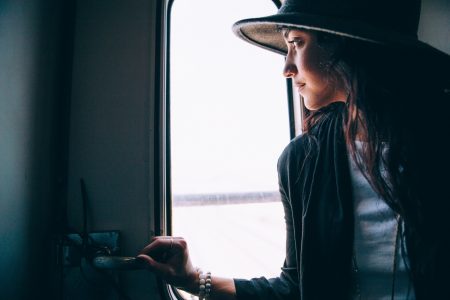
111 134
32 92
434 26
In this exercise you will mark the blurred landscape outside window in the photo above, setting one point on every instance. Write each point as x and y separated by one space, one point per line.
229 124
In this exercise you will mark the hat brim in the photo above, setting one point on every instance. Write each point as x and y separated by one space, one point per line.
264 32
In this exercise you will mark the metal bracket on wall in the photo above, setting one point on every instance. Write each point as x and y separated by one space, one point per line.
104 243
101 250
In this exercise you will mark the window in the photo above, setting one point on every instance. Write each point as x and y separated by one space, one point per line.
229 124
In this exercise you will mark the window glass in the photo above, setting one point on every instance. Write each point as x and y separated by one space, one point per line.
229 124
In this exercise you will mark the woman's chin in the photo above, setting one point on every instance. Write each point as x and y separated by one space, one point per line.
313 105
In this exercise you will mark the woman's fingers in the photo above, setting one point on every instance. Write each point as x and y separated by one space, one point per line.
166 249
169 258
153 264
161 244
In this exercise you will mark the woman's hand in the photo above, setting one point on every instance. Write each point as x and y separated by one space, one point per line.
168 257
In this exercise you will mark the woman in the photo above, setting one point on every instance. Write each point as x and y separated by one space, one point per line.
365 206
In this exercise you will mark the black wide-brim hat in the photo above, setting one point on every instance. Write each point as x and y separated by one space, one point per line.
390 22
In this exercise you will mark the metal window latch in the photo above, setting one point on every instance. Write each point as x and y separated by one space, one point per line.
118 263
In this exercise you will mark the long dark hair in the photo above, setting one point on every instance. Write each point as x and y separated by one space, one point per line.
387 88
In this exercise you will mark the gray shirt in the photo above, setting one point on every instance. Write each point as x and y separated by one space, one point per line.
375 234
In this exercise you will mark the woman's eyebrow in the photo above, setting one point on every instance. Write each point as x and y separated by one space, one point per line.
286 32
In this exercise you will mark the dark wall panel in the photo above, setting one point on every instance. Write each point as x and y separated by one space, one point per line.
111 139
32 89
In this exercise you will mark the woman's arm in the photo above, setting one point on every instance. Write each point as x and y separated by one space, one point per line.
223 289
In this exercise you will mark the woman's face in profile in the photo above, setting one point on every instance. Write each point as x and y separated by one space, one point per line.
306 64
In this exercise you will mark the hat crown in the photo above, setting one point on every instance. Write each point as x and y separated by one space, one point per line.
401 16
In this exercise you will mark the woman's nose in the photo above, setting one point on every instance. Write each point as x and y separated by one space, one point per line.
290 69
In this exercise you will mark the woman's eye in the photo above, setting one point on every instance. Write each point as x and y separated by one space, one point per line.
296 43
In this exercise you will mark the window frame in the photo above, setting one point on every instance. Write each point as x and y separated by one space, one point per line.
162 149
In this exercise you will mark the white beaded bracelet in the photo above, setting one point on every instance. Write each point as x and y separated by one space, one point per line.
205 284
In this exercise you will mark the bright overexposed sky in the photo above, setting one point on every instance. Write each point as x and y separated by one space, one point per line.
229 118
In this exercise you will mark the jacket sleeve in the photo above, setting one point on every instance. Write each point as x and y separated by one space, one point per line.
286 285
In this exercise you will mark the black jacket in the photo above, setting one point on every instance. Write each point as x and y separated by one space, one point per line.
316 194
